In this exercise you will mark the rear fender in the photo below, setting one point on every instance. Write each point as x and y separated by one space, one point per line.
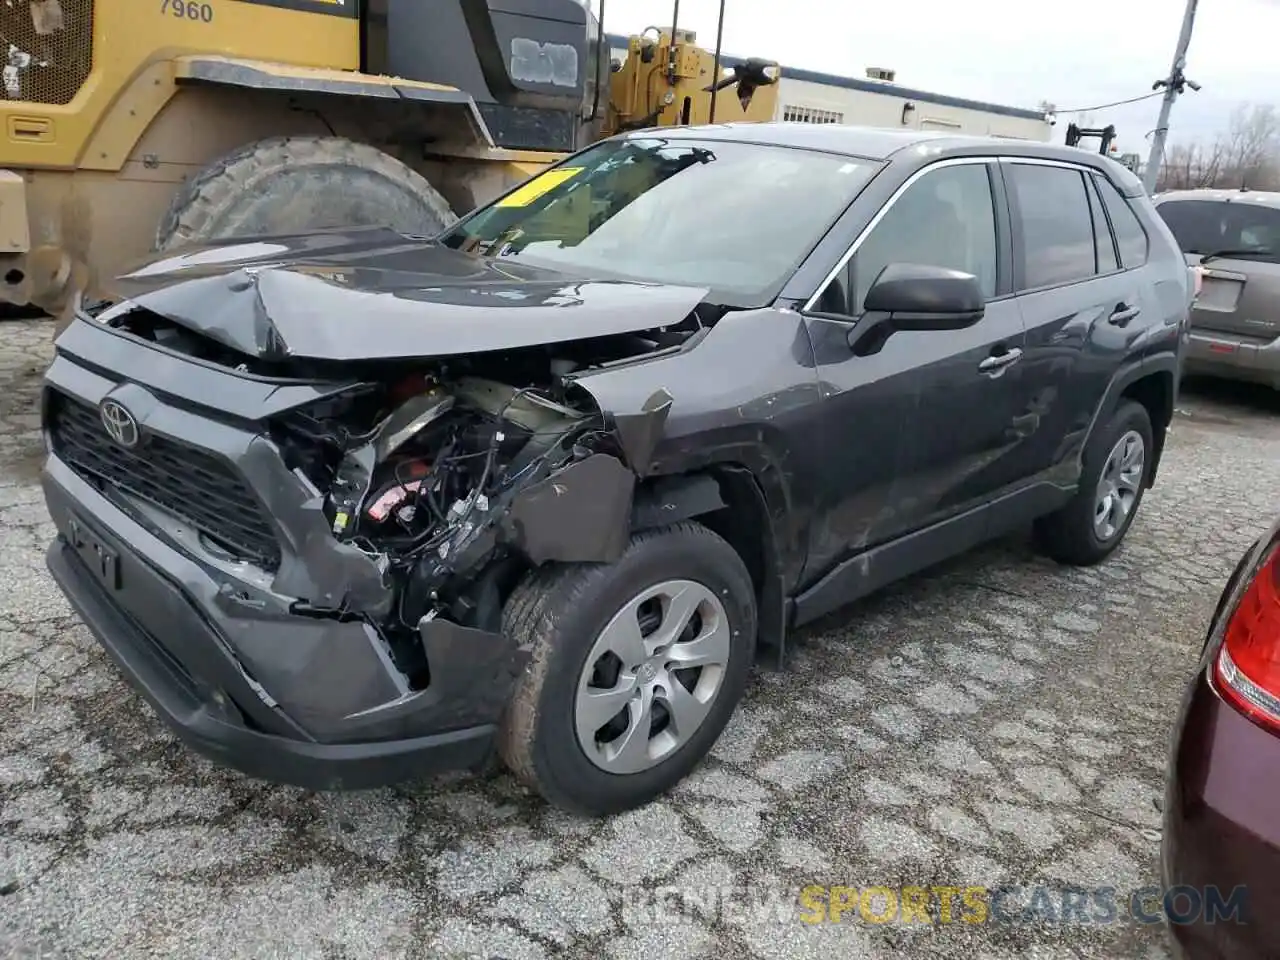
1159 365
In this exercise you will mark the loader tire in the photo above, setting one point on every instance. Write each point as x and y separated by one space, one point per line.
285 185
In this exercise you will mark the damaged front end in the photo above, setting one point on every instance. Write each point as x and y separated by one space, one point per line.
317 553
449 486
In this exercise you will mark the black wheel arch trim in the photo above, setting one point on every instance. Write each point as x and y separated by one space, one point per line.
726 484
1129 374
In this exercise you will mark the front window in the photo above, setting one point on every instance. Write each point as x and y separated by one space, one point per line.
735 217
1244 228
945 219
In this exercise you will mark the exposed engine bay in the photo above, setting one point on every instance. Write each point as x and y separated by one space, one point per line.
419 490
448 481
454 476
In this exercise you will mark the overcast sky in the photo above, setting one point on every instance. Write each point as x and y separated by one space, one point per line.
1016 52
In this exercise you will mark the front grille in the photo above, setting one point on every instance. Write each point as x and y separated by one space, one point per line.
194 486
50 49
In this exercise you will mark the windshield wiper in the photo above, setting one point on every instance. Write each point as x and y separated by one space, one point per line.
1232 252
495 245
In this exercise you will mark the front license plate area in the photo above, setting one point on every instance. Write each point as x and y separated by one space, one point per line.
101 560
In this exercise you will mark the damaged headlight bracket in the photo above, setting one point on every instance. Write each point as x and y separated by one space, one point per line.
639 433
562 502
579 514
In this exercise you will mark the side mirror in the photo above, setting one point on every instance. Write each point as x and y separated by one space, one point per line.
920 297
913 296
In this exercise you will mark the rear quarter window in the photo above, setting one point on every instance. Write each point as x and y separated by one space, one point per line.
1131 239
1107 259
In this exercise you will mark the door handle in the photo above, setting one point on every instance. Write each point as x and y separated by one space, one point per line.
995 364
1122 314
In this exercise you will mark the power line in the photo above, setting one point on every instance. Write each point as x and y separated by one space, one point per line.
1117 103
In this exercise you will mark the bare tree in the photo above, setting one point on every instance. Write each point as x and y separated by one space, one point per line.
1252 145
1189 166
1245 154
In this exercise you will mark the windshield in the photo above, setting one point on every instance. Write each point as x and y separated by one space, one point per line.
735 217
1243 227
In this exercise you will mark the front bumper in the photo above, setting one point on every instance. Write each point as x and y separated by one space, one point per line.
228 662
170 651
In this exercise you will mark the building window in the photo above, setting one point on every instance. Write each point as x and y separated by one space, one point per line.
811 115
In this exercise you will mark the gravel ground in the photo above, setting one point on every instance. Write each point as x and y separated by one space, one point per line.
998 721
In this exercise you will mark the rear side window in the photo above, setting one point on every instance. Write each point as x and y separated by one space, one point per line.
1130 237
1245 227
1057 230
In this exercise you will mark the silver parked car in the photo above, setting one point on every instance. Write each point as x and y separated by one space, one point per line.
1235 236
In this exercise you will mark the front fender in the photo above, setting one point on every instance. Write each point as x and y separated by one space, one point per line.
745 393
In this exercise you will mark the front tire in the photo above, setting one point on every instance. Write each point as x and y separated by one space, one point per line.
1117 462
636 667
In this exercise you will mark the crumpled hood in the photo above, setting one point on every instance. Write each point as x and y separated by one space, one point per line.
375 294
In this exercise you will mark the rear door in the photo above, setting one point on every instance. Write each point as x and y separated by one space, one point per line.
1241 293
1084 298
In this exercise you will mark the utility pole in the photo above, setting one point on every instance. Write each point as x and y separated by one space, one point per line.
1173 85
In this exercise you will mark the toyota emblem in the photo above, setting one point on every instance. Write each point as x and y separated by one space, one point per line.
119 423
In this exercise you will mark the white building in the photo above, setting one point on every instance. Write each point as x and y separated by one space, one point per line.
807 96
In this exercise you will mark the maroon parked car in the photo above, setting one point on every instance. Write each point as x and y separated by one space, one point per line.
1220 855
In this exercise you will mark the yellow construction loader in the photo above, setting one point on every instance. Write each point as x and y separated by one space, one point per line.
131 126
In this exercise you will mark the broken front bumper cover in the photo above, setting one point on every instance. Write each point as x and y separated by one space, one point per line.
148 606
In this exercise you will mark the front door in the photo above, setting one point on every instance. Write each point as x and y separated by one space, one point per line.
919 428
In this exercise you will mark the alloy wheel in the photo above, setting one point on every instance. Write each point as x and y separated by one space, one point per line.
652 676
1119 485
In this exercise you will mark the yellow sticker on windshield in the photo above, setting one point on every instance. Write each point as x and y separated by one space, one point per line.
539 185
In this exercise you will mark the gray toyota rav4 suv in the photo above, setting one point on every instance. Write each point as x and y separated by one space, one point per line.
355 506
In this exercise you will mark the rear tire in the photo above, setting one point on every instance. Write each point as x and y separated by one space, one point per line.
1089 528
285 185
556 737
